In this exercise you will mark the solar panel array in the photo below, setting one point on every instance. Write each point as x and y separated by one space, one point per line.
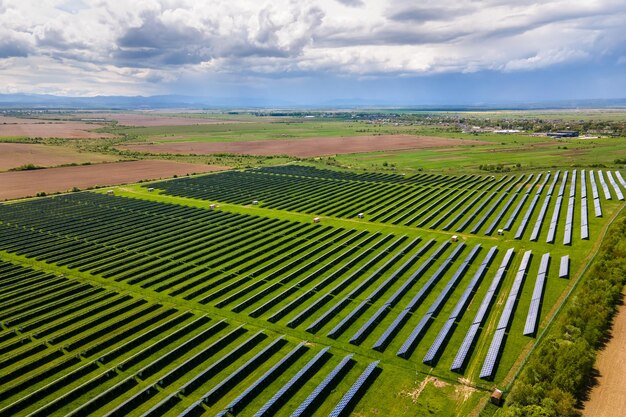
595 195
459 308
569 220
467 207
493 354
412 305
326 385
236 405
618 192
508 204
544 208
535 302
411 341
488 368
531 208
344 283
564 267
620 178
473 215
557 209
270 407
343 407
518 208
605 187
341 304
375 294
584 221
394 299
481 314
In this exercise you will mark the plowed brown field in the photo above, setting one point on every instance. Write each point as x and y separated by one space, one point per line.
146 120
13 155
306 147
40 128
28 183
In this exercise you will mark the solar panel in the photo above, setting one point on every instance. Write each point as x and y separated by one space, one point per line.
409 344
352 395
605 188
618 192
235 406
620 178
507 313
325 385
488 213
531 319
271 406
461 355
384 340
493 355
564 267
435 348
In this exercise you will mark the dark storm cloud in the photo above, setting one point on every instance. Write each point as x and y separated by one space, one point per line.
352 3
10 47
388 36
155 42
55 38
424 13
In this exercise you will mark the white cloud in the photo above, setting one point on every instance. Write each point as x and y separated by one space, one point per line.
109 45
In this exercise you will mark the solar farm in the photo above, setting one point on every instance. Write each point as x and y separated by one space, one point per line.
219 295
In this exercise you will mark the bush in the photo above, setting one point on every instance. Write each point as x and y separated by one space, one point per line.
26 167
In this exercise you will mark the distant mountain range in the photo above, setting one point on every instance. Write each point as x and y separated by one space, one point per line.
43 101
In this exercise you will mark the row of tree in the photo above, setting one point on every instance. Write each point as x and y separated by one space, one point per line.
560 371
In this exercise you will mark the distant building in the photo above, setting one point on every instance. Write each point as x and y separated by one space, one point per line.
507 131
564 134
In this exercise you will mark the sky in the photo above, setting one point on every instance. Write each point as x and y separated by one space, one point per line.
317 51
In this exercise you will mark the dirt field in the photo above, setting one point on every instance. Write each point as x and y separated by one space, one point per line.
39 128
28 183
13 155
306 147
608 398
145 120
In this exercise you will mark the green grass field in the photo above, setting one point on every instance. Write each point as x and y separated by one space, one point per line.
169 252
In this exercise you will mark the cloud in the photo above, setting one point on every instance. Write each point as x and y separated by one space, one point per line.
148 42
14 44
168 39
352 3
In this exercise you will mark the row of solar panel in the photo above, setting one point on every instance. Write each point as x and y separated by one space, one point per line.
470 337
532 318
544 209
531 208
459 308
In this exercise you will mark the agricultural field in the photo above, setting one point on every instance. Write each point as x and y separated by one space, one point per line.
20 156
17 127
415 294
306 147
31 182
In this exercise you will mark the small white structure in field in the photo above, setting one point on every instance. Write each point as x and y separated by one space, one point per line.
150 189
212 206
255 202
110 192
501 232
360 215
455 238
316 219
